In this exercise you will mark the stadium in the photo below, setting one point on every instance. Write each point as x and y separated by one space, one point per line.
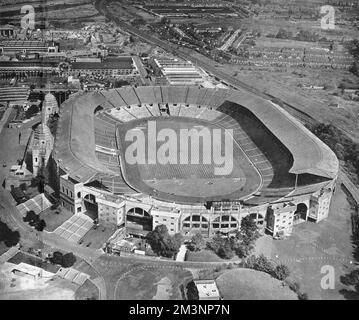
281 173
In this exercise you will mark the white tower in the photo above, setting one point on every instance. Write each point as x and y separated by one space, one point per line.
49 106
42 143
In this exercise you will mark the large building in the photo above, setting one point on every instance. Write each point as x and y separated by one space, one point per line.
178 72
29 46
281 173
113 68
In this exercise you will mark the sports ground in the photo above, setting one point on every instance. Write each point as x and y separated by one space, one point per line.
188 182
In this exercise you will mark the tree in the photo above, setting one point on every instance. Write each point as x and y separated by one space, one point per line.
197 242
68 260
192 291
249 230
162 243
281 272
8 236
225 251
41 225
56 258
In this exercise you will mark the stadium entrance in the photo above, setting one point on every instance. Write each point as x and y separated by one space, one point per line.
138 219
91 206
300 215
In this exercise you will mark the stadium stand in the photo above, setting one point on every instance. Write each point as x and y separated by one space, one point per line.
174 109
75 228
122 114
140 111
153 109
190 111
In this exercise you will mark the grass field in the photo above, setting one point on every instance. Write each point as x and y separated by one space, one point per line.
247 284
205 256
152 284
188 182
88 291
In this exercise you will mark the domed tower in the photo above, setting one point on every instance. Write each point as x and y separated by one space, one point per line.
49 106
42 144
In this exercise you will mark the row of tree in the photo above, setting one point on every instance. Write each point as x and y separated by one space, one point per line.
240 243
162 243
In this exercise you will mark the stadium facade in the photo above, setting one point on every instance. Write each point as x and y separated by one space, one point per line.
286 176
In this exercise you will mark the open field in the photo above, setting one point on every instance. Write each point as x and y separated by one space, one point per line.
88 291
247 284
147 284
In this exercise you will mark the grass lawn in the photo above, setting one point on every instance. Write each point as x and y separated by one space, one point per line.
247 284
54 220
88 291
152 284
206 256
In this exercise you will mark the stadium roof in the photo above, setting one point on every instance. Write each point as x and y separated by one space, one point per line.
75 143
310 154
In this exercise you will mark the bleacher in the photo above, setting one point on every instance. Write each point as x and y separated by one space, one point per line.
209 115
140 111
266 152
122 114
108 160
174 109
190 111
153 109
114 184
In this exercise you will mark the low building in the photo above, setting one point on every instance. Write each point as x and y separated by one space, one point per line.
207 290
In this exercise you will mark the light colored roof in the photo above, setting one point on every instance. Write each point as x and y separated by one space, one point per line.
207 289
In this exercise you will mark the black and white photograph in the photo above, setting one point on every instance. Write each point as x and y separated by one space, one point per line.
177 155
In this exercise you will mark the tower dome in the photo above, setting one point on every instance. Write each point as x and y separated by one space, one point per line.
49 106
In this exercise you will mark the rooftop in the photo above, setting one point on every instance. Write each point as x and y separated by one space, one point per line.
120 63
